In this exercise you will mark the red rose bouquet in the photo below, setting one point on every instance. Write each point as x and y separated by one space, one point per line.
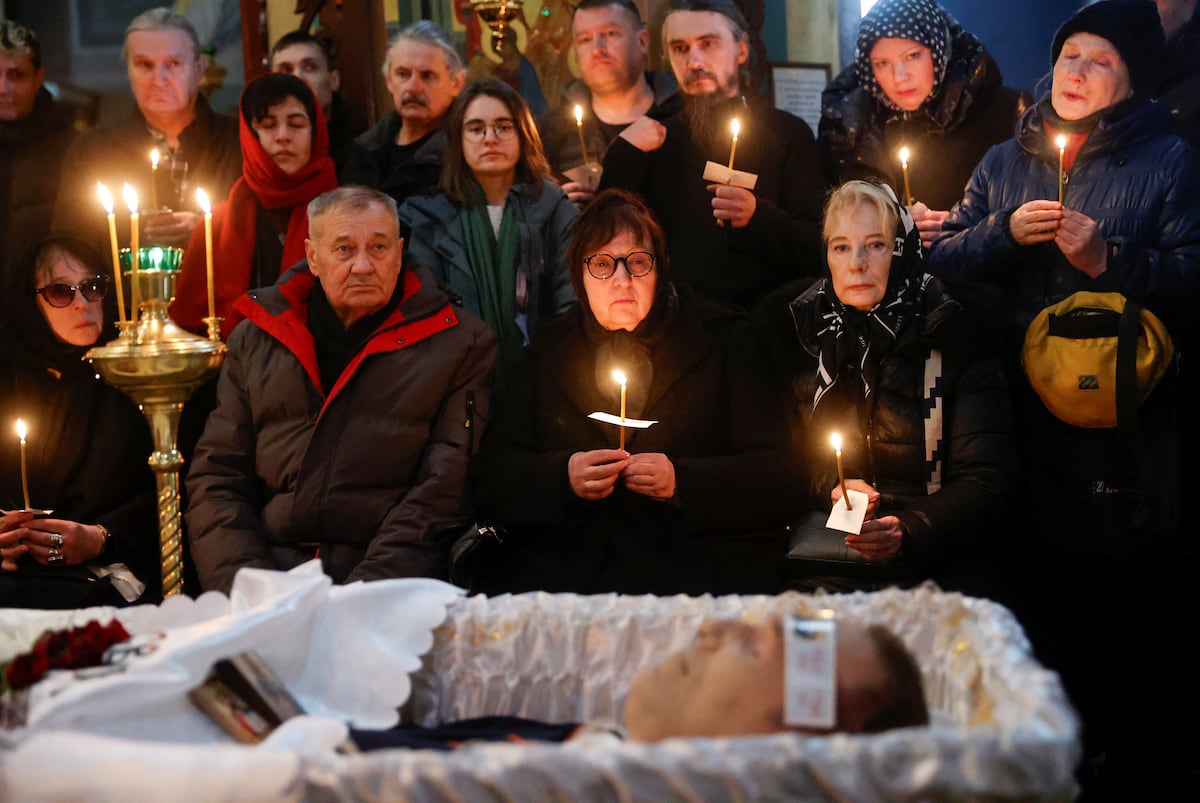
73 648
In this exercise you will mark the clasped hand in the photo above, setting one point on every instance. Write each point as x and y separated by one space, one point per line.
21 534
1075 234
594 474
880 539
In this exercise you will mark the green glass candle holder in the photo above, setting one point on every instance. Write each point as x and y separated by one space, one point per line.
153 259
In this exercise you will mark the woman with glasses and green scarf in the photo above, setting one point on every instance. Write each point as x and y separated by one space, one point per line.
495 236
84 457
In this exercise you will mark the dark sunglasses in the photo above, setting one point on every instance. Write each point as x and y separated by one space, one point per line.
58 294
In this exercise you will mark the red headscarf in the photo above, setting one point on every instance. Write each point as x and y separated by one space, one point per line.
235 218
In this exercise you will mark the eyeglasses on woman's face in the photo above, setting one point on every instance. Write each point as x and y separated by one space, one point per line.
476 131
61 294
603 266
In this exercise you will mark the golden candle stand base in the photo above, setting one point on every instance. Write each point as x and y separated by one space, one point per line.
159 366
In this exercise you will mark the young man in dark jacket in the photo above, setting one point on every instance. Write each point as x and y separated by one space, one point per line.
346 412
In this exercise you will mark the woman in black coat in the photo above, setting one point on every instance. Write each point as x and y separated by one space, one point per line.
877 352
918 81
87 446
695 503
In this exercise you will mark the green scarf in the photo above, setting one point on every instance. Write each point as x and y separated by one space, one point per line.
493 262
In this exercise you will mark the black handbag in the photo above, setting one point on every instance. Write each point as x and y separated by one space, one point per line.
477 547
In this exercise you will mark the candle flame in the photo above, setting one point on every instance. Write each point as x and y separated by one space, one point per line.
578 114
202 199
904 157
619 378
21 430
836 440
154 158
131 199
106 199
1061 141
736 127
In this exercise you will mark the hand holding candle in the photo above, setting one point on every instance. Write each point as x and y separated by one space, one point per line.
1061 142
106 200
202 200
131 200
154 179
836 440
735 127
620 378
904 154
24 473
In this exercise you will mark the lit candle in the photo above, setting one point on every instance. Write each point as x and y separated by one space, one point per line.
579 128
107 200
24 475
154 179
620 378
131 200
836 440
1061 141
202 200
736 128
904 170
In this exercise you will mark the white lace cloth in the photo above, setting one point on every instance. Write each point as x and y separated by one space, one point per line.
1002 726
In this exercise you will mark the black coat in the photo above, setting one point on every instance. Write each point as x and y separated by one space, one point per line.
732 266
86 455
31 152
724 531
968 113
367 162
1179 89
884 438
121 154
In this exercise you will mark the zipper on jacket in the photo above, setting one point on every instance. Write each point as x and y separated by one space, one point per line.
469 423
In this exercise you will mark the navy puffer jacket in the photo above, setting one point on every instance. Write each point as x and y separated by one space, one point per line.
1132 176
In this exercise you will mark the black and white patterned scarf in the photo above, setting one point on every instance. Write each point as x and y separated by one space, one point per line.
922 21
853 341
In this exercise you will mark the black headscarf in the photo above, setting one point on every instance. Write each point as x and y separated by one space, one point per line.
852 340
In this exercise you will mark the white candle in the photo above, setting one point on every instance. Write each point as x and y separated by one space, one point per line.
24 475
904 169
1061 141
579 128
131 200
620 378
202 200
106 200
836 440
736 128
154 179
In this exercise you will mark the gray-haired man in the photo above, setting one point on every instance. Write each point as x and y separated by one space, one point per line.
402 153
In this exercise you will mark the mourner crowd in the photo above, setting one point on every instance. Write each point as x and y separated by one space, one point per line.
422 318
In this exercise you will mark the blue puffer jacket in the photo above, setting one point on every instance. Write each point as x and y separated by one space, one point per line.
1132 176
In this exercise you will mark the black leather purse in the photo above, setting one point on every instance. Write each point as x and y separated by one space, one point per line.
478 546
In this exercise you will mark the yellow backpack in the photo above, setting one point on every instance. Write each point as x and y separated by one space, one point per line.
1093 358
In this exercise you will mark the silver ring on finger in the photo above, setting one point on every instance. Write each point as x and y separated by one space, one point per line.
56 539
55 559
54 552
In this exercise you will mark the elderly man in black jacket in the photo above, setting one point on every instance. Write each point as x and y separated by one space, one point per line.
346 411
731 244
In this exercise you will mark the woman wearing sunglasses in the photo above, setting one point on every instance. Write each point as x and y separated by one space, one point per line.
697 503
494 236
86 446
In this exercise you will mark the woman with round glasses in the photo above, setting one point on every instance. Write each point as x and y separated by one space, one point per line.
695 503
494 236
86 445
